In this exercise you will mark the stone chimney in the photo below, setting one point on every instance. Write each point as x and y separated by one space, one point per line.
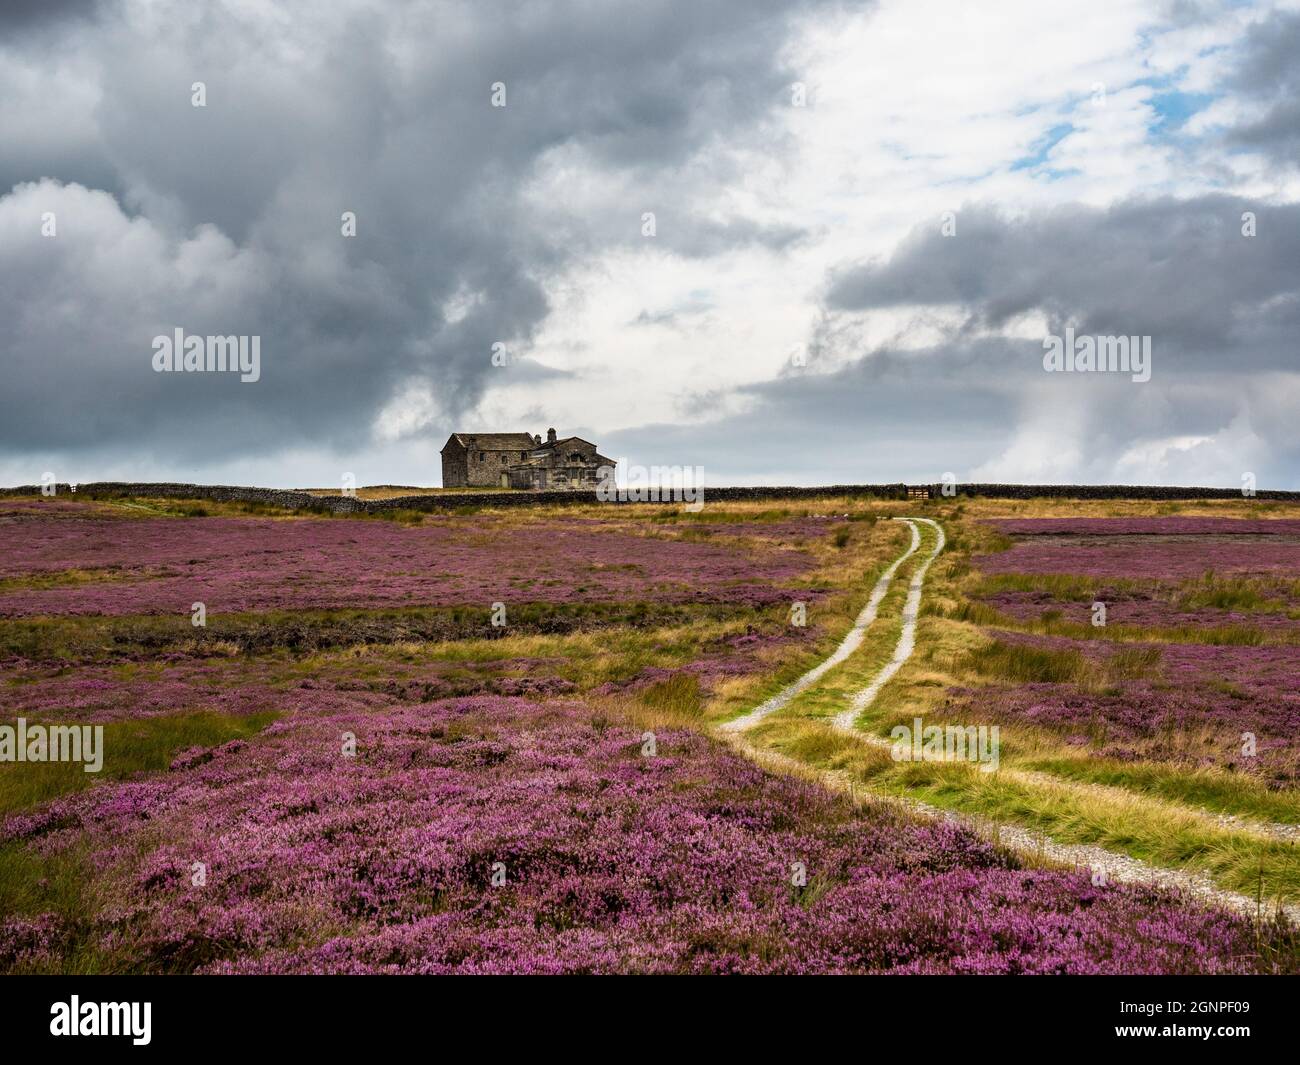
538 439
550 436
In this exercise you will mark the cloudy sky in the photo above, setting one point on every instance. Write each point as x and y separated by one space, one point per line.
789 241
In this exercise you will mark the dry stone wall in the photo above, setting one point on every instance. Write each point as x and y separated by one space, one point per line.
341 504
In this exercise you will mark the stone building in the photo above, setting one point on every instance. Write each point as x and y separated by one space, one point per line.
517 460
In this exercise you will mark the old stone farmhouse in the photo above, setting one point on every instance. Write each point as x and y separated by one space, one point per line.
517 460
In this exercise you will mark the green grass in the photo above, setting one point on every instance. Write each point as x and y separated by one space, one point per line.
830 695
835 691
1243 863
1214 635
679 695
143 745
67 577
145 507
66 887
1151 813
1226 593
33 884
714 514
1156 812
1067 586
1140 825
1050 623
1209 591
1021 664
89 639
1133 663
1215 790
589 658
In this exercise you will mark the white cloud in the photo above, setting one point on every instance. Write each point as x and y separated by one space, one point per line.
528 231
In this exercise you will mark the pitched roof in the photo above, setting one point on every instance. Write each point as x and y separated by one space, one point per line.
546 444
492 441
600 459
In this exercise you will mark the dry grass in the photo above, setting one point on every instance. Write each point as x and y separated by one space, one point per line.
1158 812
397 491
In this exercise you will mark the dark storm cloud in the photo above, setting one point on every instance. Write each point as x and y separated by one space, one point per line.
981 409
1222 308
864 421
1181 272
1269 76
225 219
18 16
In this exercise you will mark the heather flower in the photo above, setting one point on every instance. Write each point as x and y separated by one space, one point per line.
615 862
240 564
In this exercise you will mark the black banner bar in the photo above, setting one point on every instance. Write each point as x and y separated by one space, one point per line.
90 1014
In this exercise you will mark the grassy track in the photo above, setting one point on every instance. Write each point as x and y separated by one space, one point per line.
1225 826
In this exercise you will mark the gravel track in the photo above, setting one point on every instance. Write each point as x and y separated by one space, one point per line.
1105 865
906 639
851 642
1102 863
